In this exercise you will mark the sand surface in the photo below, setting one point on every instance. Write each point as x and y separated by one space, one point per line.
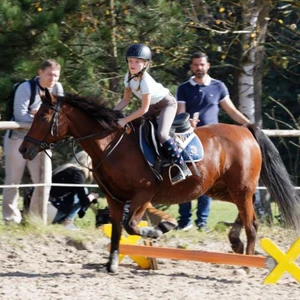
56 266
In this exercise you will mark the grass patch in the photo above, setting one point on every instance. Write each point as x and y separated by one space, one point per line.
220 211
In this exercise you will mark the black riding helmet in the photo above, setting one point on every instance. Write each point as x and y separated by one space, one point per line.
139 51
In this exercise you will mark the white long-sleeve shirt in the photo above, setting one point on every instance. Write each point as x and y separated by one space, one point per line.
21 103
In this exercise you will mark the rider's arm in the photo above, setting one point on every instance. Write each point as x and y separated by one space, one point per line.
139 112
125 100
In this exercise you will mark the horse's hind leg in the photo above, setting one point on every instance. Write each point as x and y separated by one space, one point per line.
251 226
247 219
234 236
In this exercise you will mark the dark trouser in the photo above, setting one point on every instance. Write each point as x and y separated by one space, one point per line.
203 209
258 207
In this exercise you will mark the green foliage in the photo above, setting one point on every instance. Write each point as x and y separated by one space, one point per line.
89 38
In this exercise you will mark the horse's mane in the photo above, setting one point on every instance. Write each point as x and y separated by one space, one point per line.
95 107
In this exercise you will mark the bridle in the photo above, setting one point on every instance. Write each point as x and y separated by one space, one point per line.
54 132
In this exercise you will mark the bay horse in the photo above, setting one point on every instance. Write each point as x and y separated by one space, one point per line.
235 157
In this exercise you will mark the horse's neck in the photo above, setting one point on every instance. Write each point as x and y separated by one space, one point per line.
87 129
92 137
99 148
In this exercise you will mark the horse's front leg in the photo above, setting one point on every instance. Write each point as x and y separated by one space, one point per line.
116 216
136 211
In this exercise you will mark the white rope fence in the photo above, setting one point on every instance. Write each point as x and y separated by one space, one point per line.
47 185
4 125
80 185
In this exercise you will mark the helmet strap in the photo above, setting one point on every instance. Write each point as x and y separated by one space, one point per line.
131 76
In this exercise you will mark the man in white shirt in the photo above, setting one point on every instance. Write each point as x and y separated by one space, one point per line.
49 73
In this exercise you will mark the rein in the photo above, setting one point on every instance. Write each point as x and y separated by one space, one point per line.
54 132
107 151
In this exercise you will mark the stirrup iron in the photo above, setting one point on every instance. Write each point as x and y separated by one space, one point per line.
179 174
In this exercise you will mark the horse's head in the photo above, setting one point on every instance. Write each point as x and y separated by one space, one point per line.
43 132
58 118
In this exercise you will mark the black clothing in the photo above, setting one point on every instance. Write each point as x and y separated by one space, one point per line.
62 197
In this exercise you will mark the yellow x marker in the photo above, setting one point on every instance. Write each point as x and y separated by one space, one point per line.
143 262
286 262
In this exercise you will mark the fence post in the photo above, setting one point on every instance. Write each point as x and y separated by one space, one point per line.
39 204
46 177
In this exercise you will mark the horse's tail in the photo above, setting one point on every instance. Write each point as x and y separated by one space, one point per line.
277 180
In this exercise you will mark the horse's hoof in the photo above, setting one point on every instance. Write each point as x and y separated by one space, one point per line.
241 271
166 226
113 269
238 248
151 232
113 263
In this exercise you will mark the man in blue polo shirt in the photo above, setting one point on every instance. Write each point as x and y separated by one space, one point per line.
204 95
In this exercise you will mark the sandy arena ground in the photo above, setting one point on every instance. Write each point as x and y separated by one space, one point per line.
49 267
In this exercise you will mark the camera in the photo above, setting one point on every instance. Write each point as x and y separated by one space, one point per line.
102 216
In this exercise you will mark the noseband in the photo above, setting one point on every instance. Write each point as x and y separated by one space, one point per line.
53 130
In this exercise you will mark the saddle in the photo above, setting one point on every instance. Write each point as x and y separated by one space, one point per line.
188 143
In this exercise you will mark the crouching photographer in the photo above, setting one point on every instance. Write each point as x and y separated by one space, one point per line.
72 200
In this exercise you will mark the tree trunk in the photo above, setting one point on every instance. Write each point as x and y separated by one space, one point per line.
114 82
262 26
254 16
247 63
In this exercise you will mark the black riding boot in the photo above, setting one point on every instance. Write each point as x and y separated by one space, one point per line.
182 169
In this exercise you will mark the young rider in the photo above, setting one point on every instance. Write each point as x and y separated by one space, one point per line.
155 100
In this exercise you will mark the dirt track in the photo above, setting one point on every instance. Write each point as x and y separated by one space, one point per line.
56 267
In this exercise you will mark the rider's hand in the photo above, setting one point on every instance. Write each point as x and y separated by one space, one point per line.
194 122
122 122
